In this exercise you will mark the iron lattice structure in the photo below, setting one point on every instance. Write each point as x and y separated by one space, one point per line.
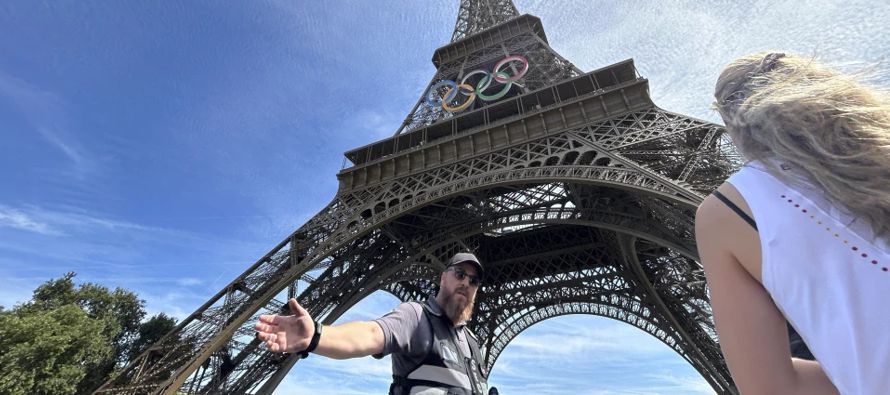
575 189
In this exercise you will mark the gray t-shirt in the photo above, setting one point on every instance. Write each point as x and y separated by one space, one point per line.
407 335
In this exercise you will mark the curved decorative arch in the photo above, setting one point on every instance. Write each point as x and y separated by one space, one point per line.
603 219
629 179
529 319
614 177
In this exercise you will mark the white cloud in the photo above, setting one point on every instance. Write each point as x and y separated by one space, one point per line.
175 302
46 113
81 223
189 281
682 46
16 219
611 339
374 124
167 267
689 385
53 222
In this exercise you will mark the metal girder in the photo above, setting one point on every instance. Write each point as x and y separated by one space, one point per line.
476 16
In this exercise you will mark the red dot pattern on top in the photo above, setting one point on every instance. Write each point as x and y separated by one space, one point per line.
836 235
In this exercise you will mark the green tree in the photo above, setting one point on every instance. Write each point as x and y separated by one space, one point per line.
69 339
150 332
50 352
120 306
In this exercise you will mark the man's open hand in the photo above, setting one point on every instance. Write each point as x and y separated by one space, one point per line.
286 333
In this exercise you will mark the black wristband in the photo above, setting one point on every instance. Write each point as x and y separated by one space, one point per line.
312 343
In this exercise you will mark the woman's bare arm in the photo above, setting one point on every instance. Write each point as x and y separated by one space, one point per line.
752 331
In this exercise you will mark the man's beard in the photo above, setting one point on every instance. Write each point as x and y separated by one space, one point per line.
460 311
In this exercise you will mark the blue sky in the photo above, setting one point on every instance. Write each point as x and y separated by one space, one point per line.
164 147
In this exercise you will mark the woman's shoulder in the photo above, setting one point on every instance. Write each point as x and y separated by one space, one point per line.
713 210
715 221
723 231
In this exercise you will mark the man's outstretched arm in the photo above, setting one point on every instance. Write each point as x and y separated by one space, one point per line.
351 340
292 333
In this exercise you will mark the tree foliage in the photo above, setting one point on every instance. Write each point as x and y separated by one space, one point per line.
150 332
69 339
50 352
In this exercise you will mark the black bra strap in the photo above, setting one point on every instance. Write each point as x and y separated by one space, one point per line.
735 208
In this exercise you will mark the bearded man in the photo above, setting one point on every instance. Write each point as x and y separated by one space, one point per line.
432 351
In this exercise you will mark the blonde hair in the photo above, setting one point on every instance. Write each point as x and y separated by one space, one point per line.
827 125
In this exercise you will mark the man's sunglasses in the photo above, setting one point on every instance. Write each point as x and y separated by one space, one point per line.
461 274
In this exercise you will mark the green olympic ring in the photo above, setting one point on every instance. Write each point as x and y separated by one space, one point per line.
446 101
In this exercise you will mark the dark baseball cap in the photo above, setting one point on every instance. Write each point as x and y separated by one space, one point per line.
467 257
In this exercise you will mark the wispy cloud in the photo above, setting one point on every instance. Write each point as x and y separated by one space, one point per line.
69 148
565 341
687 385
16 219
375 124
189 281
40 220
682 46
172 269
47 114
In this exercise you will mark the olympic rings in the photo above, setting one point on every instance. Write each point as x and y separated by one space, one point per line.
465 104
448 101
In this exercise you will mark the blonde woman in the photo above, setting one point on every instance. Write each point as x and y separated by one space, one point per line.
801 231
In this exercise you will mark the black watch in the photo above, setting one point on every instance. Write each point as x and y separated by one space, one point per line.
312 343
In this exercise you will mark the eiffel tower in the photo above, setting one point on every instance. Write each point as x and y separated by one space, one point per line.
573 187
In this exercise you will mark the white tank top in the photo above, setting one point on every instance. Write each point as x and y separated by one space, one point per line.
827 275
